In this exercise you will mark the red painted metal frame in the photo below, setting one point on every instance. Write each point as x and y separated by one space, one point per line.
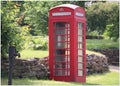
73 20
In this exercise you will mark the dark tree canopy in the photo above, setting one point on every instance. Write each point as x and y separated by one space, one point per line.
102 14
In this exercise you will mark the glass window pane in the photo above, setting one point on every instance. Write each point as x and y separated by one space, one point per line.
61 65
79 31
79 25
61 45
79 28
61 38
61 72
80 59
60 58
60 25
80 38
62 31
80 73
79 52
60 51
80 66
79 45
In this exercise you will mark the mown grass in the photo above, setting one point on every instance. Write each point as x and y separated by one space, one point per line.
101 44
26 54
110 78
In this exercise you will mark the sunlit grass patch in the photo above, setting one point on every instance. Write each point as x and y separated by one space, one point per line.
101 44
26 54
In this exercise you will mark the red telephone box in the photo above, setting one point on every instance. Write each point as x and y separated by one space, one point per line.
67 45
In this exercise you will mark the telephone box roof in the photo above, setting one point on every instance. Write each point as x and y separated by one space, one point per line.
72 6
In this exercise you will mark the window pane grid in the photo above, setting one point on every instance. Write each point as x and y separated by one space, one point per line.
80 49
62 49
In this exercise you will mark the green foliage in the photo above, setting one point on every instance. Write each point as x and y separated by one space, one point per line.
11 33
37 43
36 14
112 28
99 15
111 32
93 33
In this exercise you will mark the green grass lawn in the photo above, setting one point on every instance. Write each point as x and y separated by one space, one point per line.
26 54
110 78
101 44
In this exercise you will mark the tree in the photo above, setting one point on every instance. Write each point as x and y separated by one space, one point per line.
100 14
11 32
112 27
36 14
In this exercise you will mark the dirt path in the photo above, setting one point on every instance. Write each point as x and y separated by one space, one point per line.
114 68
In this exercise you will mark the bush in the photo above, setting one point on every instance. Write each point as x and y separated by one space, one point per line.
111 32
38 43
96 64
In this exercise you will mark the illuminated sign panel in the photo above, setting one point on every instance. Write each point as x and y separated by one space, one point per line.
61 14
79 14
67 14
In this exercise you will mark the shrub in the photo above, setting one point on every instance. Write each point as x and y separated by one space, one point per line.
38 43
111 32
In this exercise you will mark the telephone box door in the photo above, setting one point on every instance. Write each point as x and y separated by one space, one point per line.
62 48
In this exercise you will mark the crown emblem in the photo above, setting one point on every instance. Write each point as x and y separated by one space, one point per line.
61 9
